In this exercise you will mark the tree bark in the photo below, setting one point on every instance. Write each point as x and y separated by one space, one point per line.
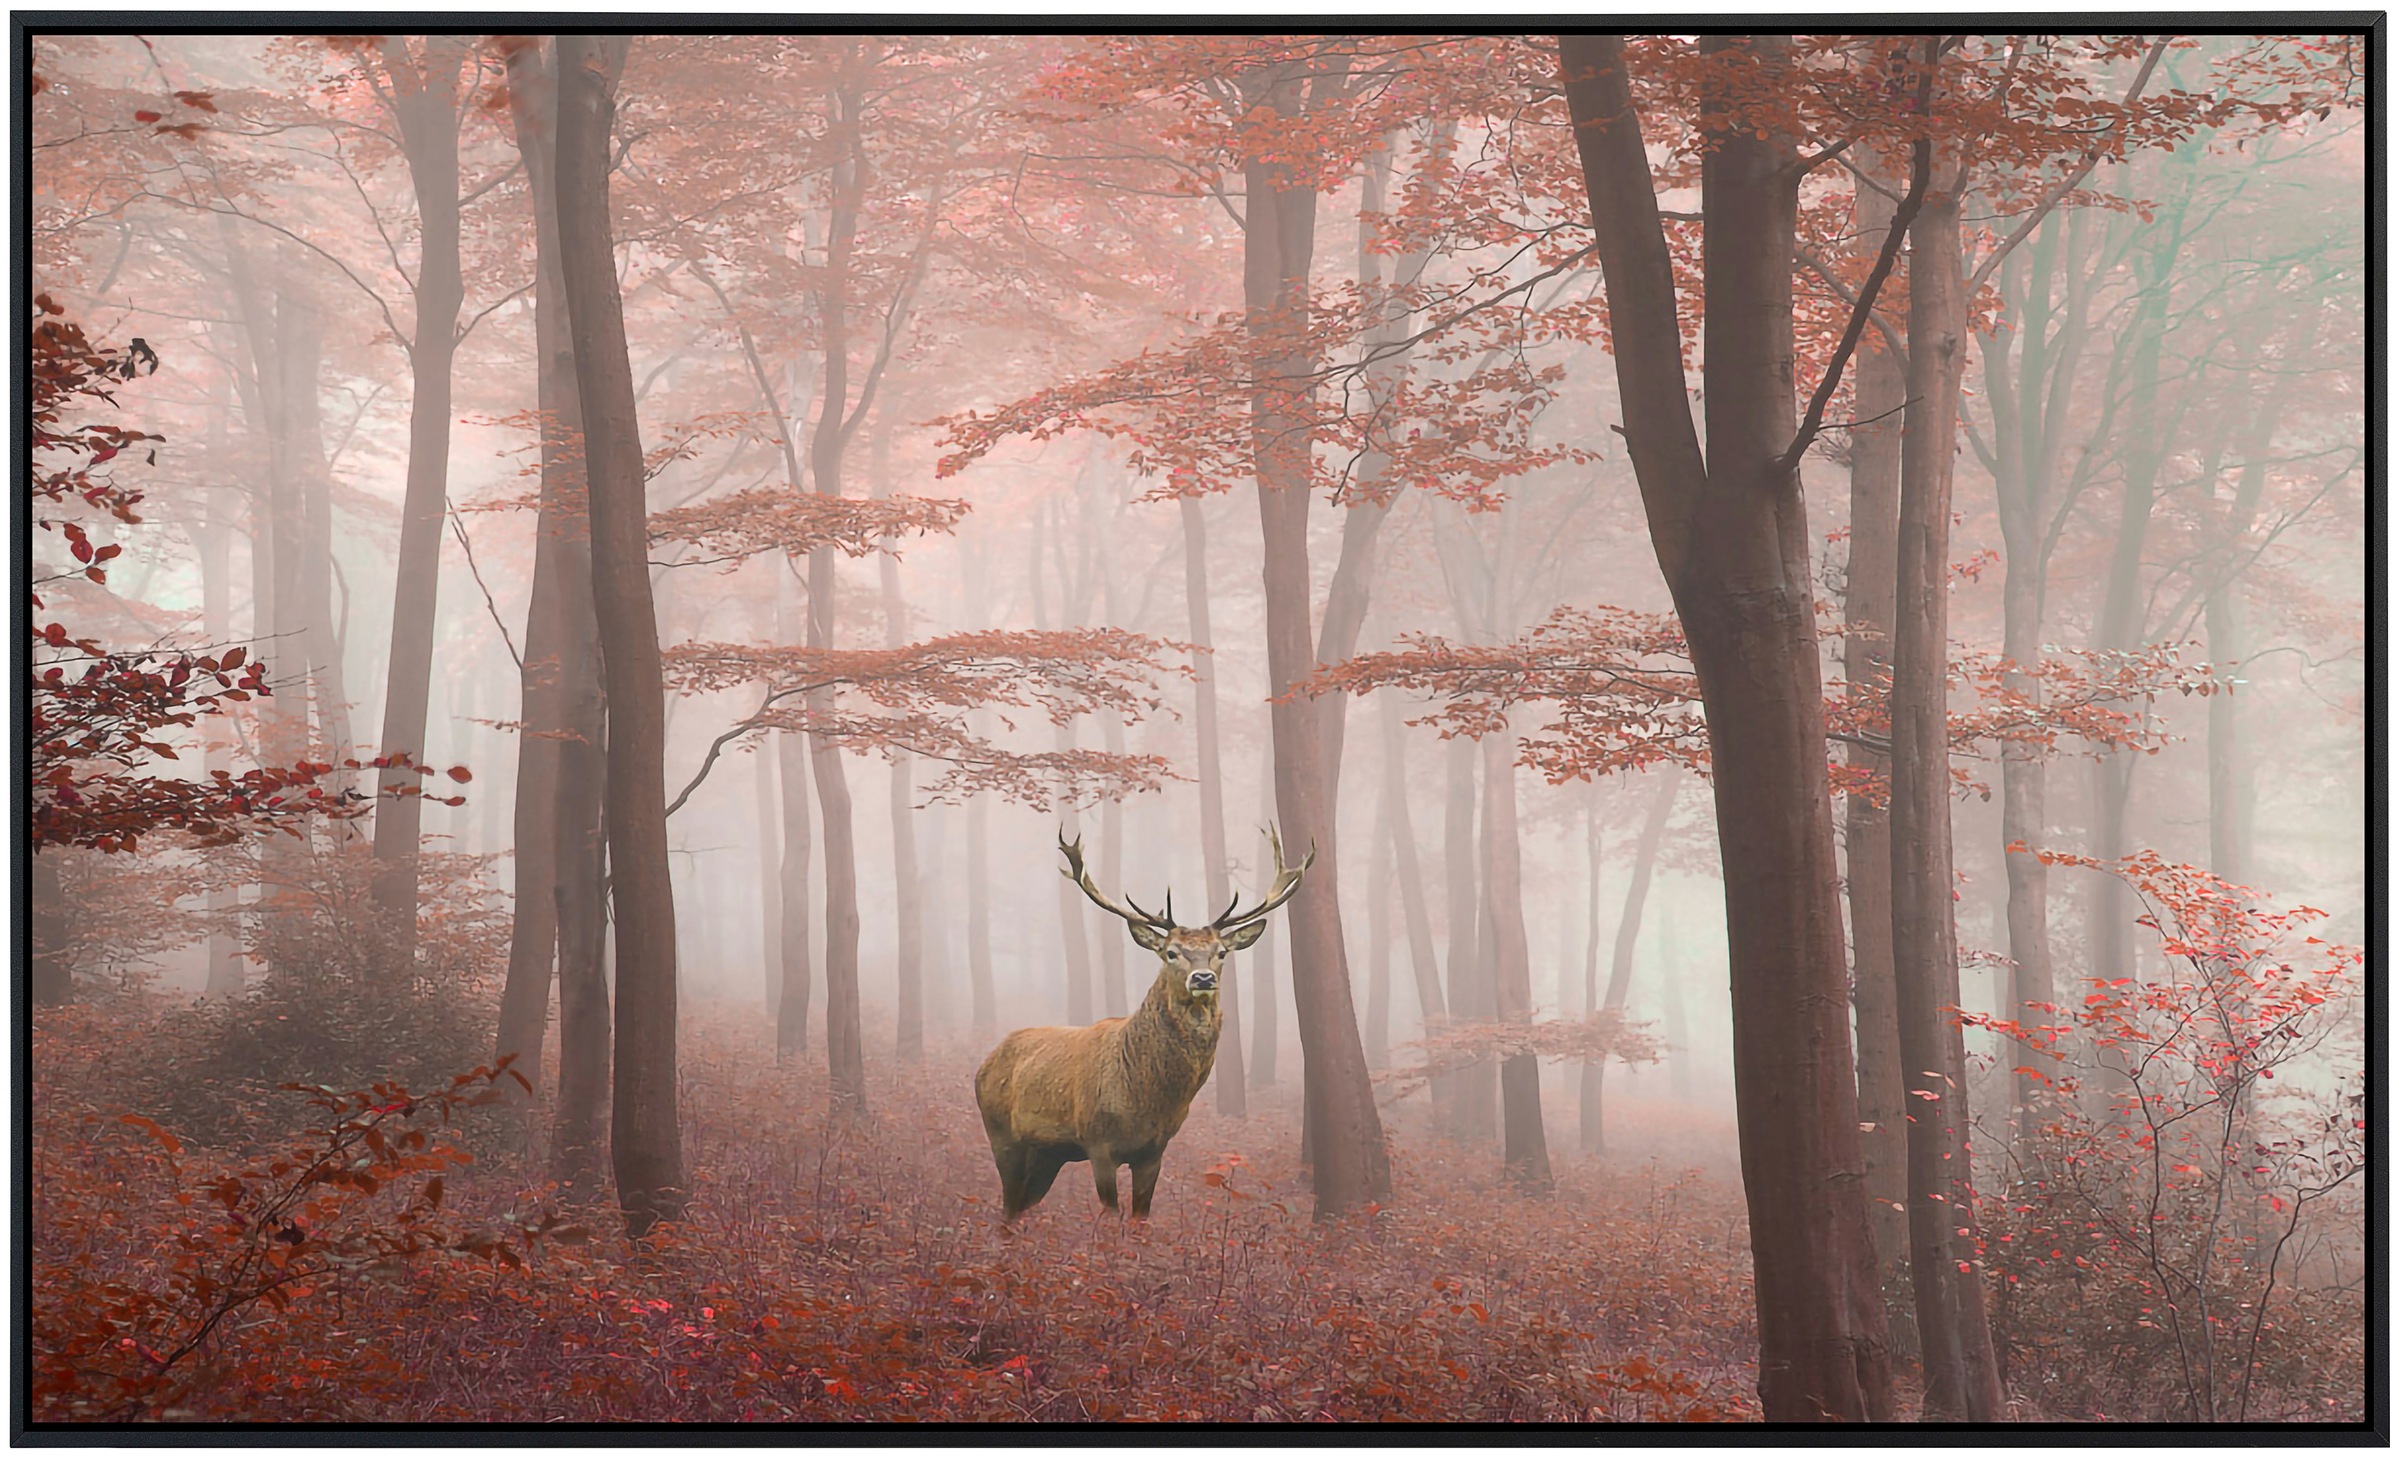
215 541
1232 1085
797 950
645 1136
1880 392
425 106
1732 539
907 903
770 873
1525 1149
533 933
1961 1378
979 920
1432 1007
1379 937
844 1041
1473 1106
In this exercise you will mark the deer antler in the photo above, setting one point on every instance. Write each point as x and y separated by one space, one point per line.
1286 885
1076 873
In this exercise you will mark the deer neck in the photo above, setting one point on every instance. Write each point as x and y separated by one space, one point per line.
1173 1029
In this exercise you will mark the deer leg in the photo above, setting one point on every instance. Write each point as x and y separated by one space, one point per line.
1145 1181
1041 1167
1104 1178
1011 1162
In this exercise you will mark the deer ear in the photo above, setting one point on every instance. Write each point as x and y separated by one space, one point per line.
1240 938
1148 938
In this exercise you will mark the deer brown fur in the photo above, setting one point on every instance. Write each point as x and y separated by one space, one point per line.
1115 1092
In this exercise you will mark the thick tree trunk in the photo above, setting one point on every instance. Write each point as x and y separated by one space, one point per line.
425 103
1732 539
1961 1378
533 934
1473 1107
1881 392
1525 1148
52 977
1232 1086
645 1137
1629 932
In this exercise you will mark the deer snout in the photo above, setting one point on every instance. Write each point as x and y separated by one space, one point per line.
1203 979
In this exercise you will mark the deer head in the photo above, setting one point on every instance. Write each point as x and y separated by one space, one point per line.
1195 954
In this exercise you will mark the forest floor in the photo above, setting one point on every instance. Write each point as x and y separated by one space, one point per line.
858 1269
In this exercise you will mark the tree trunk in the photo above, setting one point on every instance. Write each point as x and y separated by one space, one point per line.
845 1051
1379 938
1232 1088
1112 871
908 910
215 541
425 104
52 977
770 873
1525 1149
1961 1378
1264 1021
1591 1137
1880 392
1432 1007
1732 539
1351 1168
797 951
1074 943
1629 931
533 933
1473 1105
645 1136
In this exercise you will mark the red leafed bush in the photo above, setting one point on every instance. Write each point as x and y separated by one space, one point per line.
2184 1241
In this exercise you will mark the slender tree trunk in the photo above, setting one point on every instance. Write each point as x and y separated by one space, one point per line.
216 617
1265 1018
1232 1087
1525 1149
645 1136
533 934
979 920
1732 538
1432 1007
770 873
1881 392
1591 1137
797 950
1629 926
1112 870
1474 1106
1073 942
1379 938
426 107
908 909
844 1041
301 355
1962 1380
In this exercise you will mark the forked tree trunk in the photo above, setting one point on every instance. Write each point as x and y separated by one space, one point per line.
1351 1166
1732 539
1232 1089
425 105
645 1137
1962 1380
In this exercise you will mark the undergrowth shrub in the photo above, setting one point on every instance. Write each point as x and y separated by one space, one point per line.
2184 1242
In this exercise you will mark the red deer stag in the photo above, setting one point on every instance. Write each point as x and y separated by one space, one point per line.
1115 1092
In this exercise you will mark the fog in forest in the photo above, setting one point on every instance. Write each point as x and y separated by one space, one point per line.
898 459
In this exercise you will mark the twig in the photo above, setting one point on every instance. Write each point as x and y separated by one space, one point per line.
459 529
